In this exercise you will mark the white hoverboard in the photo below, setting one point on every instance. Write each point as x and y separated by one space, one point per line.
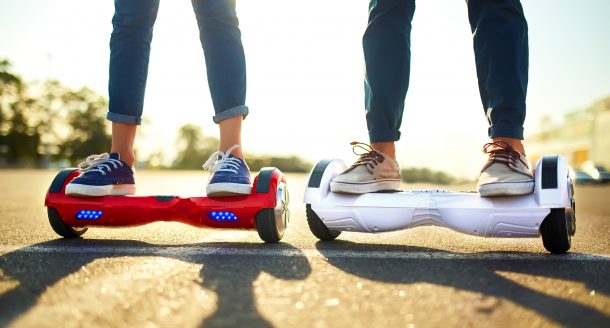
548 212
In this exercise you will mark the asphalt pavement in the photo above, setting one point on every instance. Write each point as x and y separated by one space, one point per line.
173 275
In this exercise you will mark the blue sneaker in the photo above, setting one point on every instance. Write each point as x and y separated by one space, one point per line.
103 175
230 175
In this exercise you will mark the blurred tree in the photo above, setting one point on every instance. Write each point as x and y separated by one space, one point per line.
285 164
19 137
10 91
193 148
10 84
70 125
413 174
155 160
53 115
21 142
87 125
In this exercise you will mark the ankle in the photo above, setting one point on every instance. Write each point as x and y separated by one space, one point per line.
237 152
126 156
129 161
388 148
517 144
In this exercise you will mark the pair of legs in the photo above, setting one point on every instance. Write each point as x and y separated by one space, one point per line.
220 38
501 53
133 21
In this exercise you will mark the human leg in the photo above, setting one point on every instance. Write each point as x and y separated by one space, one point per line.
123 138
387 54
226 69
230 175
224 56
230 135
501 53
386 44
130 40
112 174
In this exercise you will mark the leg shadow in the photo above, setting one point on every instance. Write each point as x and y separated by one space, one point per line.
480 276
230 276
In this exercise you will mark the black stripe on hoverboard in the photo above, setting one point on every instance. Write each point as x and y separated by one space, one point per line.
59 180
549 172
264 179
316 174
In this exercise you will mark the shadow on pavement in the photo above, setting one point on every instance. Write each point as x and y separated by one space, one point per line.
232 281
479 275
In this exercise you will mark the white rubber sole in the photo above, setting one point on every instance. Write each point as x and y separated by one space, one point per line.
364 187
73 189
506 188
227 189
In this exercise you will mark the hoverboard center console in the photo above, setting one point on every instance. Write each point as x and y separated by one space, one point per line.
264 210
548 212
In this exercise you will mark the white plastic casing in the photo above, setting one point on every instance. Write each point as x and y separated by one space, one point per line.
558 196
466 212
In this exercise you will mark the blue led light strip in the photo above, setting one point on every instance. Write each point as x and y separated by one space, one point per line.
88 214
222 216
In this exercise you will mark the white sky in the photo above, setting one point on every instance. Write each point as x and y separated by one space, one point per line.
305 70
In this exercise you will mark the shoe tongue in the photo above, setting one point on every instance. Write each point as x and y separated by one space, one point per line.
116 156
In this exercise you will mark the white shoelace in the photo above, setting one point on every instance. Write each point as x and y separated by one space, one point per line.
219 162
96 163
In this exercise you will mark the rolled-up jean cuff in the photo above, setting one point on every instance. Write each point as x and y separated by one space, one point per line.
384 136
231 112
505 131
126 119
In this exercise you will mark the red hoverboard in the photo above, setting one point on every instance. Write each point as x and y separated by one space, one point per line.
265 209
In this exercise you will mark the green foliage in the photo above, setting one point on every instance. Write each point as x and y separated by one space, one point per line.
193 148
10 91
57 121
87 123
60 123
21 143
285 164
425 175
19 136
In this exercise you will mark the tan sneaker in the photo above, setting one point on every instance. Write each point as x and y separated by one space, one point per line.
373 171
506 172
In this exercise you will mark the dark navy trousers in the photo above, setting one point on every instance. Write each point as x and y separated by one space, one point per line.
499 31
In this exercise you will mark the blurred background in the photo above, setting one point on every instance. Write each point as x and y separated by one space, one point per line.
305 86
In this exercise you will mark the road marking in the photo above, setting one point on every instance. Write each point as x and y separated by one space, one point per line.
186 251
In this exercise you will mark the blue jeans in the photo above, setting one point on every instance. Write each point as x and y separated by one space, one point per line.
501 53
220 37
